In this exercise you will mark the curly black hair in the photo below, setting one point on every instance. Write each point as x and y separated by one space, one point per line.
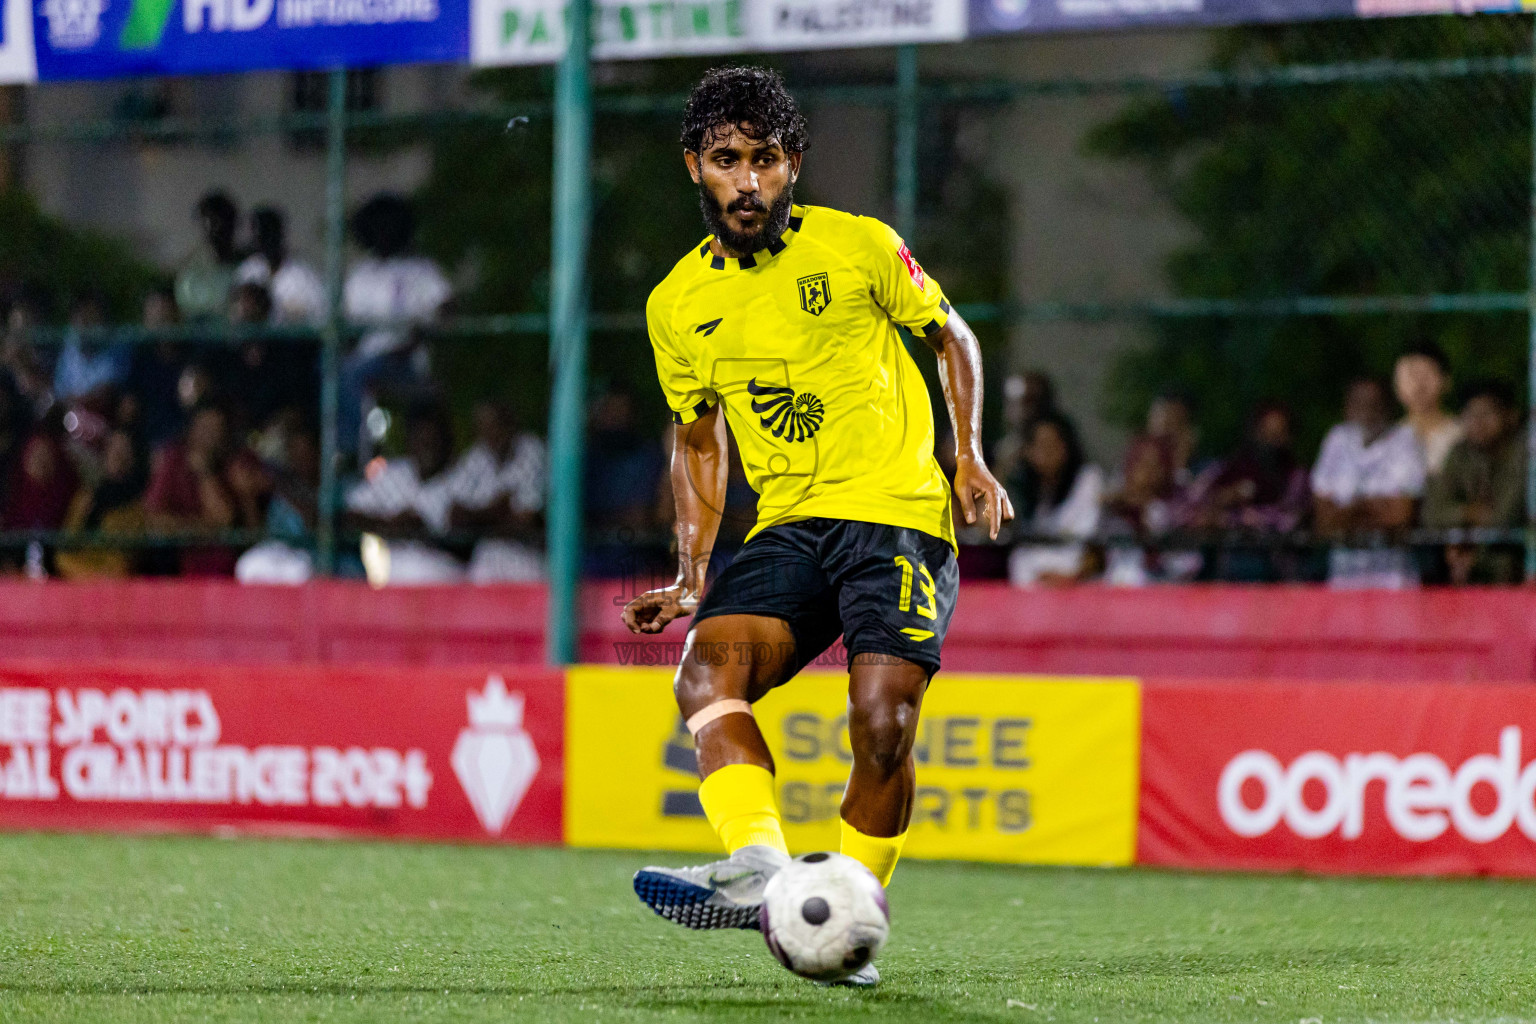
753 98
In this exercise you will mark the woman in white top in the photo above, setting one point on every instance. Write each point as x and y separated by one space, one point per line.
1421 378
298 297
1059 496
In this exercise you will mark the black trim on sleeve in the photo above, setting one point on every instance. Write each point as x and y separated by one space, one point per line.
930 328
693 414
944 306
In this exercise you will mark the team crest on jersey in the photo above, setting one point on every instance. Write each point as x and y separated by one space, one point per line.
784 413
815 293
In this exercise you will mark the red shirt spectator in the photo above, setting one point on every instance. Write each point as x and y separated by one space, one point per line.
43 483
201 486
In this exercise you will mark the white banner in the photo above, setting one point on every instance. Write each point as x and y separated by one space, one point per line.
534 31
18 60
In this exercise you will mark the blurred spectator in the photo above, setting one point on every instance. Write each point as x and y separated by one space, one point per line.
20 358
292 513
1421 378
89 371
206 484
114 504
1263 489
15 423
1059 497
298 296
1171 424
154 369
397 292
266 375
624 474
203 283
498 489
406 502
1482 484
1368 477
1146 507
1026 397
624 467
43 481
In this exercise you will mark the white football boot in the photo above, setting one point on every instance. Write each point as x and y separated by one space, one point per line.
865 977
725 894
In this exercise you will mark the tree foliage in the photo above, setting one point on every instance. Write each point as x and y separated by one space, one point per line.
55 262
1382 185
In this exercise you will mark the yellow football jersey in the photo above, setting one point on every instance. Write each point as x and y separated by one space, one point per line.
799 341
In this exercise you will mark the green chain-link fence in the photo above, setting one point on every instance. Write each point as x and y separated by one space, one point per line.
1253 213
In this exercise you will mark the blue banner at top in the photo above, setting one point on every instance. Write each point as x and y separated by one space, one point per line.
992 17
113 38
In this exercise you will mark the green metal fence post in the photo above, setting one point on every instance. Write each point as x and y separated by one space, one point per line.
330 338
568 328
904 158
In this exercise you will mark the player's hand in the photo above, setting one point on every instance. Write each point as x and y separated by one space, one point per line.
974 481
652 610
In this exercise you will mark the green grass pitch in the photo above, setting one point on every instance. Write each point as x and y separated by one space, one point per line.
98 929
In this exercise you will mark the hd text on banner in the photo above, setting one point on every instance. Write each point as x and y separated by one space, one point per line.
111 38
430 753
534 31
1385 778
1012 769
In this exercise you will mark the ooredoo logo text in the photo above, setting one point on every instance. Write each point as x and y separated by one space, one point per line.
1420 797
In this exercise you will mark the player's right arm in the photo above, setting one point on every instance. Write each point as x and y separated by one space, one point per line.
699 468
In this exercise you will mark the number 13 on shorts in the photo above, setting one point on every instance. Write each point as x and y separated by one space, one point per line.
928 610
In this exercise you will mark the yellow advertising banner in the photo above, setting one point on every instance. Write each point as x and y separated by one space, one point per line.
1017 769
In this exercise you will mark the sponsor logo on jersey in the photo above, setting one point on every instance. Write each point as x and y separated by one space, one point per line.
914 269
784 413
815 293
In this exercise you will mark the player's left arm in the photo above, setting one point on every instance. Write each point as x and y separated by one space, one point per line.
960 372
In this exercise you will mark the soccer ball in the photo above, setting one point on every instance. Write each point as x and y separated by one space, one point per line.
824 916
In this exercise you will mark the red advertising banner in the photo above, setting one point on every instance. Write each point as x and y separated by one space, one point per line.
1339 777
440 753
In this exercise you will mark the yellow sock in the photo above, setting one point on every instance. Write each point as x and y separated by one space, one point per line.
877 854
738 801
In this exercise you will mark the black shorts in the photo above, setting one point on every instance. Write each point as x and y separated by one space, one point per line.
884 589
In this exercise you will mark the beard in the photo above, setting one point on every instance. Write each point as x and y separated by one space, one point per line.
773 225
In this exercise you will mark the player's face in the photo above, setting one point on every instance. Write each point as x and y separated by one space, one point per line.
745 188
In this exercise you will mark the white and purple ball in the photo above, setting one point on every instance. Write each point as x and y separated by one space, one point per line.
824 916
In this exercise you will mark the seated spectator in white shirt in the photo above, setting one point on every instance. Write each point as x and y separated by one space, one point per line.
1058 496
298 296
396 292
1421 377
498 489
1368 478
406 502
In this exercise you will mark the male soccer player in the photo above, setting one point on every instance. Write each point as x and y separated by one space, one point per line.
783 324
